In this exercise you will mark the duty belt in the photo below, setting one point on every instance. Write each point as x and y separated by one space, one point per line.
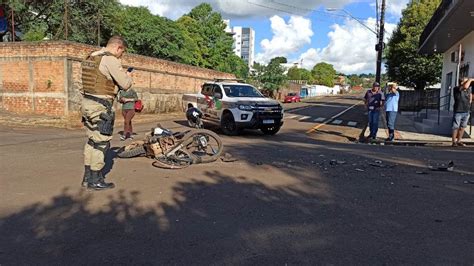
104 102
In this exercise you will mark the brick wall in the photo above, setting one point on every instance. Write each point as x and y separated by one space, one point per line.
44 78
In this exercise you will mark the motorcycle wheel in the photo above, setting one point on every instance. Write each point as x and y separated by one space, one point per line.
204 145
182 160
132 152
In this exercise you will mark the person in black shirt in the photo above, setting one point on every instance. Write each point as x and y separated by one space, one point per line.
462 105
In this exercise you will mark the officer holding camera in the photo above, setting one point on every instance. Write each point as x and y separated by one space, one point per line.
102 77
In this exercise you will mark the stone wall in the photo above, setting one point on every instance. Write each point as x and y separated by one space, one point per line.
44 78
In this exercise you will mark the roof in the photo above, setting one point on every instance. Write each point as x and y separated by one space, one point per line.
452 21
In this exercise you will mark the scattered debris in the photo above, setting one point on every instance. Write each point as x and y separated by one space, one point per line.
469 182
421 173
336 162
228 158
443 167
378 161
360 170
380 165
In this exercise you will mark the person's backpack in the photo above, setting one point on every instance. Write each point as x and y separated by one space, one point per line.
138 106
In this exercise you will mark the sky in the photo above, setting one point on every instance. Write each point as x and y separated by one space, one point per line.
337 32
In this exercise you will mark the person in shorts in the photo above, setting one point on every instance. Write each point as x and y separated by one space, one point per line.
462 105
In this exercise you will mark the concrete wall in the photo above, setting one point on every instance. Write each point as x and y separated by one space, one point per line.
451 67
44 78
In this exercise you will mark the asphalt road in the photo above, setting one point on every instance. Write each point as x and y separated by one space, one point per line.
296 198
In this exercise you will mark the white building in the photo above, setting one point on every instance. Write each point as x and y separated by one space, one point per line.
244 42
451 32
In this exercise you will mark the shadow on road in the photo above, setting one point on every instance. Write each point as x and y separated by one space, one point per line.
335 214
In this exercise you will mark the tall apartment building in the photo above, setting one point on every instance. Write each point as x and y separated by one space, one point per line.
244 42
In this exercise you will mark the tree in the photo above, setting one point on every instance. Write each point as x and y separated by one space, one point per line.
214 46
269 77
403 62
38 19
295 73
155 36
324 74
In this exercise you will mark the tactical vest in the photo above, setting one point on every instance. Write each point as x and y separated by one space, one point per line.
93 81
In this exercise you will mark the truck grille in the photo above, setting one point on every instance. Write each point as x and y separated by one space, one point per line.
268 111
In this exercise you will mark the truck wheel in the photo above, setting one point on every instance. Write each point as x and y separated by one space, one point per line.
270 130
228 125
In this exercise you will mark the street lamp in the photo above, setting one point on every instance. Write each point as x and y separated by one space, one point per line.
380 44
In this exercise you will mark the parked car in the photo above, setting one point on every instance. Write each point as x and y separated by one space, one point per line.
236 106
292 97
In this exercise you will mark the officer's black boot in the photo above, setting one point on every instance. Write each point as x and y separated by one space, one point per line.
97 182
87 175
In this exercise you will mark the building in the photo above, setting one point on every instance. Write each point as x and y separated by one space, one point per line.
451 32
244 42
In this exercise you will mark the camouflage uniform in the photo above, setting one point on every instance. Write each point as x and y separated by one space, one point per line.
102 77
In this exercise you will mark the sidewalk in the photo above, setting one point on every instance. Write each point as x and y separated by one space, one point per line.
11 119
406 133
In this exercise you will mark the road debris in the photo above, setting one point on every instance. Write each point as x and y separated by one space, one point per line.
421 173
228 158
381 165
360 170
469 182
443 167
336 162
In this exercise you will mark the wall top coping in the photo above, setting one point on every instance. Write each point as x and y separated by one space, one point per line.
89 48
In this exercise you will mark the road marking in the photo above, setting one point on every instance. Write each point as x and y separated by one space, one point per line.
320 119
336 122
332 118
303 118
352 123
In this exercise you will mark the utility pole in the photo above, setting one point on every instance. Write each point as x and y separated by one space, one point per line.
380 46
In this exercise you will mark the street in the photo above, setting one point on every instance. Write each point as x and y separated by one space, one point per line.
312 194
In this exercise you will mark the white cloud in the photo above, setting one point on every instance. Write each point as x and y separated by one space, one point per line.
287 37
395 7
234 9
351 48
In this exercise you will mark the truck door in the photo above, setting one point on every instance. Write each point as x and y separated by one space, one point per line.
203 103
217 101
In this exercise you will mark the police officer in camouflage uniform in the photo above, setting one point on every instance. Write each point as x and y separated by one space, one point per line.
102 77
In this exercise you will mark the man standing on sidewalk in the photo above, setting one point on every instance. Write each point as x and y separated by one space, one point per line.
462 105
391 109
374 100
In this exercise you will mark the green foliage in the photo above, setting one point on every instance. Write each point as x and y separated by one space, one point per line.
296 73
214 46
46 17
155 36
324 74
197 38
404 64
279 60
270 77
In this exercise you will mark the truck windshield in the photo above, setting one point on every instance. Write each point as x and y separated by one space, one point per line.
241 91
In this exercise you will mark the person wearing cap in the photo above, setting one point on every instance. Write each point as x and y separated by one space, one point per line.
462 105
374 100
391 109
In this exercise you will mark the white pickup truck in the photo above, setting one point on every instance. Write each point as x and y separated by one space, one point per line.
236 106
